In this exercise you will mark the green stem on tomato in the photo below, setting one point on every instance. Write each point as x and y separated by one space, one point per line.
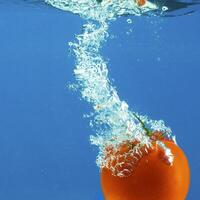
148 132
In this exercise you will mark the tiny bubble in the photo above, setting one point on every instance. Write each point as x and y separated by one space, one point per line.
164 8
129 21
158 59
112 37
70 44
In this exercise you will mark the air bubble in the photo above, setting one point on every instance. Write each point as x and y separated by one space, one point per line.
129 21
164 8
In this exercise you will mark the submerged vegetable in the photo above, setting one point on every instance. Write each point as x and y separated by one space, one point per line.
150 174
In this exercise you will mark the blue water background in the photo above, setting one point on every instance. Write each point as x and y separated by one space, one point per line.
45 152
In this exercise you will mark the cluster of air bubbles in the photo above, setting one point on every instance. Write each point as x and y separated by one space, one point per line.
130 30
104 10
114 122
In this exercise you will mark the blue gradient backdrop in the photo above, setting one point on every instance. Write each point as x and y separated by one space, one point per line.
45 152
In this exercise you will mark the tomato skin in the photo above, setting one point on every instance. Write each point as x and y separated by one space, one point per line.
151 179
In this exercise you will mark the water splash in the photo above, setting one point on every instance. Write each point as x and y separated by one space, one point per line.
114 122
104 10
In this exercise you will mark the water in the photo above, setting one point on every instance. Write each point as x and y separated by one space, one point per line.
46 131
115 122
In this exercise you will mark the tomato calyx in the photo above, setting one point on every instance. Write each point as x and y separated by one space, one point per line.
148 132
152 134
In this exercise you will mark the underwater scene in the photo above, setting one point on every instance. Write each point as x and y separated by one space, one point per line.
99 99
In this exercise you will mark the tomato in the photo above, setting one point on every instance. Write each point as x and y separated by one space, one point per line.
151 177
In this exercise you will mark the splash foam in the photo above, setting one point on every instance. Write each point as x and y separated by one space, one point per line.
114 122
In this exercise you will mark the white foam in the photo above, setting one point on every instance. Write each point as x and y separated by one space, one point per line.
114 121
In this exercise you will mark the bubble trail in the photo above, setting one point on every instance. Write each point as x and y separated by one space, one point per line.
115 123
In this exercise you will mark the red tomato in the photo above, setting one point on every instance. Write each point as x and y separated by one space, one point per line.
151 178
